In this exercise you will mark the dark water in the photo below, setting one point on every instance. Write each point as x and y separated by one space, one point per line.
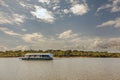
60 69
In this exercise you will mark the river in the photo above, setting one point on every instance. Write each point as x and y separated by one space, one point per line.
60 69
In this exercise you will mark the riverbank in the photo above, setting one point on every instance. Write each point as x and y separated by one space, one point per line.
61 53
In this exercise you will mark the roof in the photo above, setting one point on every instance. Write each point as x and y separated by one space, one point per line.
38 54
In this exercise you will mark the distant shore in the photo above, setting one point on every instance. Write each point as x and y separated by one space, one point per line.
61 53
69 57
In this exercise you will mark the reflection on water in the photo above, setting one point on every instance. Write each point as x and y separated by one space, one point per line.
60 69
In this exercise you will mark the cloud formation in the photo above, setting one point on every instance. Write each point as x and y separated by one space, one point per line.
65 40
21 47
33 38
9 32
79 9
43 14
3 48
6 18
114 6
2 3
44 10
44 1
111 44
67 34
28 21
49 11
115 23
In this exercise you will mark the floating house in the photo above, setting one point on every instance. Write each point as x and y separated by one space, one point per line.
37 56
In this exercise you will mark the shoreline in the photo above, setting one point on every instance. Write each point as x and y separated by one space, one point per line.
61 54
69 57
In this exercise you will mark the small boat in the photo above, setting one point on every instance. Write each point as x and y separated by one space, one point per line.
37 56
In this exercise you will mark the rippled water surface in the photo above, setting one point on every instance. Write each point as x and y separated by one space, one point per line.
60 69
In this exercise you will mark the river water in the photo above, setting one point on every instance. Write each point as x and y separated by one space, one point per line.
60 69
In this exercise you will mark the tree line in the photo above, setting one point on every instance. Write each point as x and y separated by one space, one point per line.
60 53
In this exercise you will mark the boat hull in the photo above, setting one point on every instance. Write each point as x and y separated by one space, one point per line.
36 58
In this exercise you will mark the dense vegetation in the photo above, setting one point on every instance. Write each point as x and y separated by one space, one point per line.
60 53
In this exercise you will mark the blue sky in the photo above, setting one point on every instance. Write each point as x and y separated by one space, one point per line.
60 24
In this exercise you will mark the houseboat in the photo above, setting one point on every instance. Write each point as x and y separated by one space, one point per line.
37 56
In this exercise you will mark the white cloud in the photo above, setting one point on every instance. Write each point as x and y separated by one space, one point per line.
43 14
54 4
44 1
114 7
94 43
115 23
56 7
22 4
24 30
9 32
3 48
103 7
73 2
109 44
2 3
18 19
25 4
29 38
76 40
33 38
6 18
50 3
66 11
67 34
79 9
21 47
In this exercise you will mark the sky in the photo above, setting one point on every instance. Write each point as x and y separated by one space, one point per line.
60 24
